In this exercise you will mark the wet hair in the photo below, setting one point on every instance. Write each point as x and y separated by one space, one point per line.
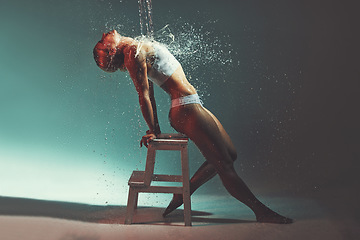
106 61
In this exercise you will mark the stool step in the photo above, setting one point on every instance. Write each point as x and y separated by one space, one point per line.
172 136
160 189
137 178
167 178
170 141
168 144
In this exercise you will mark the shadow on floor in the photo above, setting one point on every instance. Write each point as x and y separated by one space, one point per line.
100 214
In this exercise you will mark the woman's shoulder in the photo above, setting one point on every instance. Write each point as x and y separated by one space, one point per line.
141 49
135 54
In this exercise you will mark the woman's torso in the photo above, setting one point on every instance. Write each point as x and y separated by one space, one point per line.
176 85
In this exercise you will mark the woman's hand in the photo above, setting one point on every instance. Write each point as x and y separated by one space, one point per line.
146 139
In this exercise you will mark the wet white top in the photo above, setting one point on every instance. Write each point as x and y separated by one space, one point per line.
164 64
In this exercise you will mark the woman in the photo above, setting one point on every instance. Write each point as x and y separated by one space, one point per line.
149 59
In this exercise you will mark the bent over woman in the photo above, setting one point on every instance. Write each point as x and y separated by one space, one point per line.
150 60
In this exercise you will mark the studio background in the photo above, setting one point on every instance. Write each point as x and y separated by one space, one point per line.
282 77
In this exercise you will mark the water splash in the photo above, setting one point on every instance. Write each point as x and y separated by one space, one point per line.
205 56
195 45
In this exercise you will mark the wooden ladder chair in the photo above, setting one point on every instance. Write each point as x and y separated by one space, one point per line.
141 181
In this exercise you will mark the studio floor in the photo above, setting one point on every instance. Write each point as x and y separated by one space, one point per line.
213 217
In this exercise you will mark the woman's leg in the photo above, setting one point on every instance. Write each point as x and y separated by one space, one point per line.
203 129
201 176
205 172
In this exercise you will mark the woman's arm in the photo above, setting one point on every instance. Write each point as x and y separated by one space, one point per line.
153 104
136 66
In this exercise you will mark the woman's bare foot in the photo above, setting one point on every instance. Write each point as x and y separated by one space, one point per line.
269 216
176 202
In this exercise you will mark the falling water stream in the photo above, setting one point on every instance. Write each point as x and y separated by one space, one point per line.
145 14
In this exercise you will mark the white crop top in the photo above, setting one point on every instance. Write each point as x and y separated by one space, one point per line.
164 64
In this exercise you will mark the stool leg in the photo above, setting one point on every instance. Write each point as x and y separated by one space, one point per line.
186 186
132 203
187 208
150 164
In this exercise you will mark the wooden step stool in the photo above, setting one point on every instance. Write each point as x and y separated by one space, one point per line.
140 181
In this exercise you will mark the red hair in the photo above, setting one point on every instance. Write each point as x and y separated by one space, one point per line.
106 58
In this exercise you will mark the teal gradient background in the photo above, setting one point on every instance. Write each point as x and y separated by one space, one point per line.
70 132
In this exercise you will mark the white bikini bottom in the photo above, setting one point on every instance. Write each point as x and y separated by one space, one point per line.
186 100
